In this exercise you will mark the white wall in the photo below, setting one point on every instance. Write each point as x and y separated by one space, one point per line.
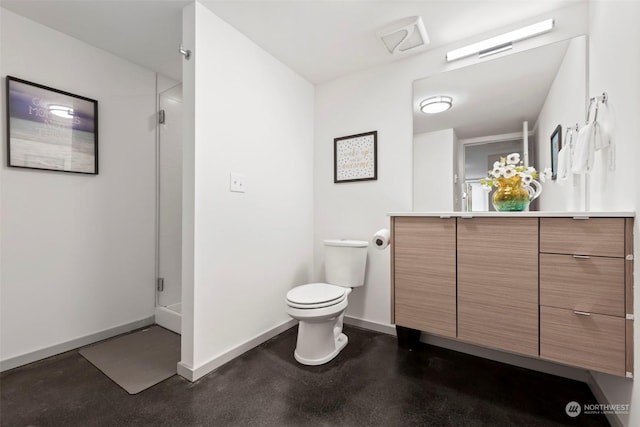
253 116
565 106
380 99
614 68
78 250
188 187
431 175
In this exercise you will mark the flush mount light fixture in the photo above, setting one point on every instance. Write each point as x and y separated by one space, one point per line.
436 104
404 35
502 42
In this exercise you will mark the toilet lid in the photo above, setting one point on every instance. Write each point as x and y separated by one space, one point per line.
315 295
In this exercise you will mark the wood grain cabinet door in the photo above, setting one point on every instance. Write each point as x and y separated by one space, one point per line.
425 274
498 283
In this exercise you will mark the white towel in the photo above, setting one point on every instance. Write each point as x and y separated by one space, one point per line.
584 151
564 157
603 134
605 123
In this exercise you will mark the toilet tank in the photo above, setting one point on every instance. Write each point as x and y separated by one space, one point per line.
345 262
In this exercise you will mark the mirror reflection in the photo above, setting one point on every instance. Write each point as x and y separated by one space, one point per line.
509 104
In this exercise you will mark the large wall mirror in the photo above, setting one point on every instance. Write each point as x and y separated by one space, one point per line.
508 104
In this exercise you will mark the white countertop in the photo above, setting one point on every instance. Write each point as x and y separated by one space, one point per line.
523 214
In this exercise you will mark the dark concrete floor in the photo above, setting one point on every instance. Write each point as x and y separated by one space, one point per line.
371 383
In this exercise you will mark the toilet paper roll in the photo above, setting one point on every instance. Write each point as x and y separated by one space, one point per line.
382 238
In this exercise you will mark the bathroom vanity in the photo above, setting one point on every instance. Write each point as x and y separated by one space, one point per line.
554 286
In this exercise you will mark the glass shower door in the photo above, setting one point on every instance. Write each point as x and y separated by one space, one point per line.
169 288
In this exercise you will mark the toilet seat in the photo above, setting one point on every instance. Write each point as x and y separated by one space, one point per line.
315 295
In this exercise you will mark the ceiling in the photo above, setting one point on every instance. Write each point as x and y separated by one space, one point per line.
320 39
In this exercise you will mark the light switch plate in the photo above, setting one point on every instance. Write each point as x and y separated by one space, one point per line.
236 182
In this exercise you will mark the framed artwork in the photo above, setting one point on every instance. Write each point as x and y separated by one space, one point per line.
556 145
355 157
50 129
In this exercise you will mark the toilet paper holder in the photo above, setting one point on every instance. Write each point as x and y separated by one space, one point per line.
381 239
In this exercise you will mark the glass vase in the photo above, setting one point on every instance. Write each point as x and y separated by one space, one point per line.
513 195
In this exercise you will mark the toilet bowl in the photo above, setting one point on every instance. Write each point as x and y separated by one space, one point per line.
319 307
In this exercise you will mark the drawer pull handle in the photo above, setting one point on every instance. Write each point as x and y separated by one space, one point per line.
581 313
582 256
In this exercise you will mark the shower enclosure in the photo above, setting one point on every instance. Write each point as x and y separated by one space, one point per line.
169 205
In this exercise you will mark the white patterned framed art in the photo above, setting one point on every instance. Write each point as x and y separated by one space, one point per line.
355 157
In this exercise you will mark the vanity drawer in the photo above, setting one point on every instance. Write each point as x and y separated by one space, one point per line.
591 284
593 236
592 341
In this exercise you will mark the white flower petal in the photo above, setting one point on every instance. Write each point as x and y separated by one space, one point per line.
513 158
509 171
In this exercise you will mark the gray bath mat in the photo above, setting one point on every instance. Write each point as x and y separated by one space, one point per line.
138 360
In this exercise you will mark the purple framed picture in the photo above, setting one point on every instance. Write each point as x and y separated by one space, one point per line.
50 129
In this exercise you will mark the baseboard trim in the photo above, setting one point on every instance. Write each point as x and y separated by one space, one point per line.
384 328
613 419
193 374
43 353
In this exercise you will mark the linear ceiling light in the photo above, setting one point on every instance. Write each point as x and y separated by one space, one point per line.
502 42
436 104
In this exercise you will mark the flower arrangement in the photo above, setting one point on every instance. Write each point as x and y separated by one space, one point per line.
517 185
509 167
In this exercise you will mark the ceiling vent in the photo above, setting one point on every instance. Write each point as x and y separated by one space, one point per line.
405 35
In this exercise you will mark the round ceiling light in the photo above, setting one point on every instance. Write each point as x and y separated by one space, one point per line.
436 104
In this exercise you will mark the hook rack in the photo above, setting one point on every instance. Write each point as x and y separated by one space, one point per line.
572 129
604 98
569 135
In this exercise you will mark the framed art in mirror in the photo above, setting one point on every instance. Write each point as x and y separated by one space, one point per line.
50 129
556 145
355 157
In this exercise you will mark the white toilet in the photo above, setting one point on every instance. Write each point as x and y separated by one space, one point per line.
320 306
